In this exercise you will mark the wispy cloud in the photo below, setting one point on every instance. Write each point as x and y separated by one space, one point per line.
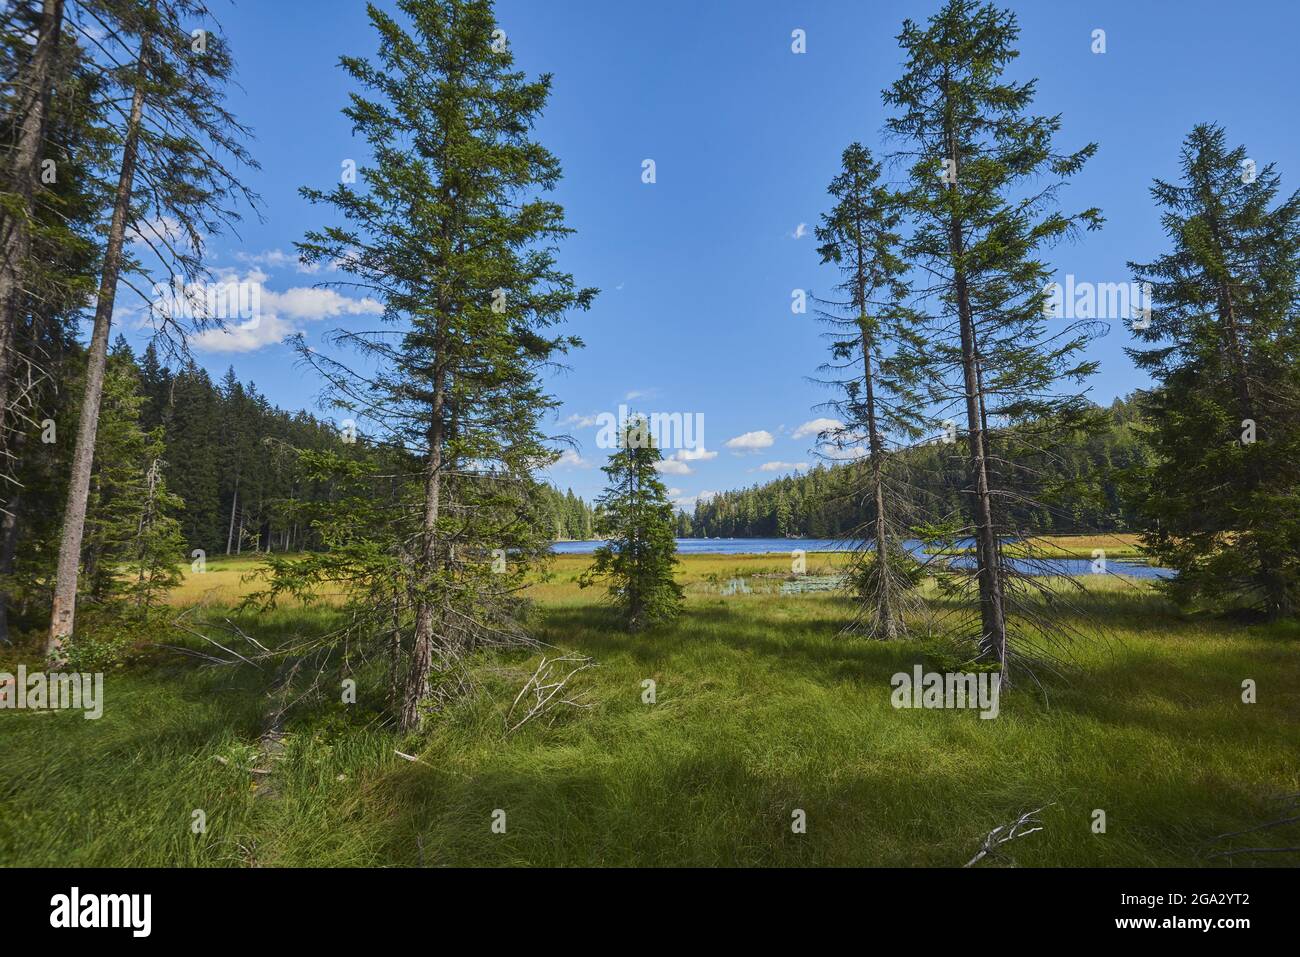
580 421
161 231
279 259
783 466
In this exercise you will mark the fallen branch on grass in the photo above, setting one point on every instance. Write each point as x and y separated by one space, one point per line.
1005 833
547 690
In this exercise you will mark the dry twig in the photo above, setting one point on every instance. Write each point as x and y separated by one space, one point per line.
548 690
1023 826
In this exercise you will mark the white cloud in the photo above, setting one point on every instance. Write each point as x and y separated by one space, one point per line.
814 426
571 459
161 231
581 421
673 467
244 336
844 454
279 259
751 441
695 455
280 314
310 303
800 231
675 464
783 466
688 501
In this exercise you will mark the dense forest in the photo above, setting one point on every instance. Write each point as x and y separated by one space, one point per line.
1085 474
230 462
238 463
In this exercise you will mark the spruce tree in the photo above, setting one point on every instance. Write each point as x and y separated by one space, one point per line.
635 518
982 208
876 366
29 83
38 334
133 545
450 226
177 154
1222 498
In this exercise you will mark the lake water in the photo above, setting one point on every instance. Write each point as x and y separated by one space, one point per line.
784 546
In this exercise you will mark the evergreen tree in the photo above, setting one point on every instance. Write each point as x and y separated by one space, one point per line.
636 519
133 545
38 332
876 366
30 77
195 455
1223 496
984 180
450 227
171 153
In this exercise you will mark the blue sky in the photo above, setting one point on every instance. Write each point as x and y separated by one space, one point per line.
696 270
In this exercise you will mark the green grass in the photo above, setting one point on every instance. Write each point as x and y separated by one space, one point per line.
761 709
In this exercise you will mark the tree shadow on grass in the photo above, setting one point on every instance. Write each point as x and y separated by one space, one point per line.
811 648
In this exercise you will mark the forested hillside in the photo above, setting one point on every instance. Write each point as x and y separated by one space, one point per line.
1085 476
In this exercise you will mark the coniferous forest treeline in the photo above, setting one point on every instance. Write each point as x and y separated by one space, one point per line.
230 461
1087 474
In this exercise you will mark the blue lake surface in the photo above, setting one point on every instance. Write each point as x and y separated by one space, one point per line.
784 546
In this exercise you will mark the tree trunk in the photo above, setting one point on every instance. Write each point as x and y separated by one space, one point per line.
15 235
417 676
993 629
74 517
8 549
885 610
230 531
395 655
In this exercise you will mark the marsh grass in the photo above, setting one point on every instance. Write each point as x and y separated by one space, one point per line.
761 709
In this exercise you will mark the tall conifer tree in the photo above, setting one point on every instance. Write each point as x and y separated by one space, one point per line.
177 155
877 367
450 226
1223 496
984 182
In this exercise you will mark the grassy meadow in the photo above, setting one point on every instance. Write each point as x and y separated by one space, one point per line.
761 709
